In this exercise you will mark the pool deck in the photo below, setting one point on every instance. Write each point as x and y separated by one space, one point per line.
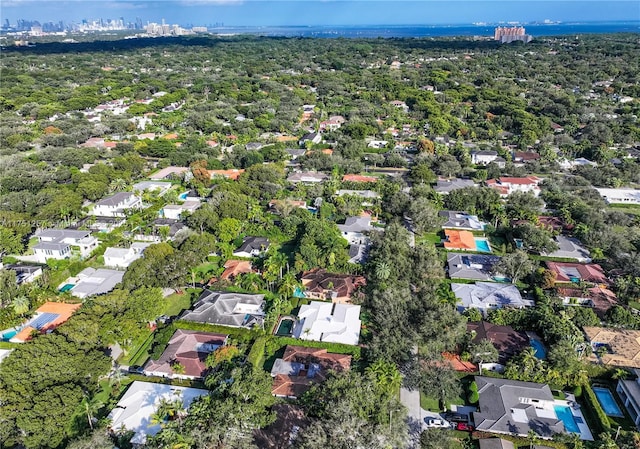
585 432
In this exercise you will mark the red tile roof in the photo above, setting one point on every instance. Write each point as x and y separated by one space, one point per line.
235 267
568 271
294 386
459 240
320 281
359 178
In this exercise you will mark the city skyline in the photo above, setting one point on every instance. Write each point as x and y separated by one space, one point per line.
322 12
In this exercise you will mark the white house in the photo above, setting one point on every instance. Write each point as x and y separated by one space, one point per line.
122 257
174 211
354 228
116 205
486 296
629 392
134 411
152 186
91 281
57 243
620 196
507 185
324 321
483 157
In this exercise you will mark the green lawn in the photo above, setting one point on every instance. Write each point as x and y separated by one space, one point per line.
177 303
429 237
428 403
626 208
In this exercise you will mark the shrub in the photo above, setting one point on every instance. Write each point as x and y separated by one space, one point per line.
596 409
577 391
473 397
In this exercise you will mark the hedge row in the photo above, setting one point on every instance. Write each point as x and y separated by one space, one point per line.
240 334
257 353
336 348
597 413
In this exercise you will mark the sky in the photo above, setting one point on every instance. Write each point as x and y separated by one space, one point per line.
322 12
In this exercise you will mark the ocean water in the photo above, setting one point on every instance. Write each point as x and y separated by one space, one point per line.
373 31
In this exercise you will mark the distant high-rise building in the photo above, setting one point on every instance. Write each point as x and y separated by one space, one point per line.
505 35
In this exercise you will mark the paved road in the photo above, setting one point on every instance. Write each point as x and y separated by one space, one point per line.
411 400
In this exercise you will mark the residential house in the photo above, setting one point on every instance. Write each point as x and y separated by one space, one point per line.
57 244
471 266
358 253
328 322
234 268
379 144
252 247
629 392
400 105
459 240
621 346
170 172
505 339
444 186
522 157
307 177
253 146
320 284
354 229
483 157
232 174
46 318
227 309
91 281
576 272
188 349
495 443
516 408
301 367
461 220
620 196
334 122
486 296
295 153
4 353
102 224
175 211
507 185
25 274
286 204
117 205
570 248
359 178
122 257
599 298
310 137
135 410
152 186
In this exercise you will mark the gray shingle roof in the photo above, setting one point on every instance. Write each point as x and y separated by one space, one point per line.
227 309
514 407
115 199
471 266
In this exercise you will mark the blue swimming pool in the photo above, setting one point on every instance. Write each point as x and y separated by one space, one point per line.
66 287
298 293
183 196
607 401
8 335
564 414
482 245
541 351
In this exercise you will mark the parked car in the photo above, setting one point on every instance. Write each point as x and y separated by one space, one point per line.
456 417
464 427
437 423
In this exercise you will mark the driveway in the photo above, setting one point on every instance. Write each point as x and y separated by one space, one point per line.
411 400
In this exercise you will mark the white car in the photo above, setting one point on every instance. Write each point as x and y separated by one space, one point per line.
437 423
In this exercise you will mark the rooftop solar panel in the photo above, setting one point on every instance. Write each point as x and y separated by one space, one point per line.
43 319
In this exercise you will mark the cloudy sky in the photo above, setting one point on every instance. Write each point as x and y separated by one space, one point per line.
322 12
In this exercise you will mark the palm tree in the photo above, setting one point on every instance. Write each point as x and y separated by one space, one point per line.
251 282
91 407
118 185
382 271
288 285
21 305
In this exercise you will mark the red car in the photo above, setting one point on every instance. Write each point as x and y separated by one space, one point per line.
464 426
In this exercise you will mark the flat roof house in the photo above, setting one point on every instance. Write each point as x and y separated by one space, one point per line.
123 257
227 309
190 350
622 345
91 281
629 392
57 244
620 196
471 266
141 400
516 408
301 367
117 204
307 177
486 296
328 322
